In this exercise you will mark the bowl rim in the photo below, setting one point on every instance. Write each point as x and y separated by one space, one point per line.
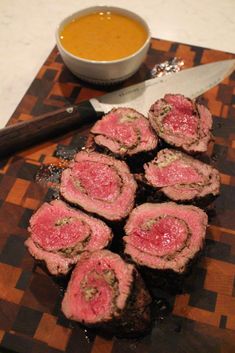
97 8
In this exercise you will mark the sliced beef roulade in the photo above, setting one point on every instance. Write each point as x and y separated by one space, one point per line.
59 234
100 184
181 122
124 131
181 177
165 236
106 292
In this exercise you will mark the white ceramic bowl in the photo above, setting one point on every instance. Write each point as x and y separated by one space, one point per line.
103 72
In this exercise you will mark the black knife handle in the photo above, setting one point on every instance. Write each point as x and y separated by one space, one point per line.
16 137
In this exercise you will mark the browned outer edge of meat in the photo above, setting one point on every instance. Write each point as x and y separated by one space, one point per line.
135 319
183 266
60 276
131 160
156 195
91 143
181 147
159 192
135 162
168 279
61 266
100 215
68 258
109 222
182 270
43 262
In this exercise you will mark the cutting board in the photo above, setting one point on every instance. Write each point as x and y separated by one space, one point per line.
200 320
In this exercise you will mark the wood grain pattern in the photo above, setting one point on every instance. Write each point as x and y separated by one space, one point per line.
200 320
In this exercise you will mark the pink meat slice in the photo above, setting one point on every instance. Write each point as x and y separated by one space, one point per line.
98 289
181 177
106 187
181 122
124 131
55 228
97 180
172 244
162 236
181 118
111 125
177 172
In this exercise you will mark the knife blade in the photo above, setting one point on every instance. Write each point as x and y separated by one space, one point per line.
190 82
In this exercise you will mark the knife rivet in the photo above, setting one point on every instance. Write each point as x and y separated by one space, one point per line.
69 110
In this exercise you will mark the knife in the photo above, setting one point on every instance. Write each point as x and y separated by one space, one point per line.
190 82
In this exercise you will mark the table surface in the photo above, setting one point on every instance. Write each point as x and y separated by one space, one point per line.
27 33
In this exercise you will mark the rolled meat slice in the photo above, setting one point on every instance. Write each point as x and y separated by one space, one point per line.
165 236
181 177
59 234
99 184
124 131
181 122
106 292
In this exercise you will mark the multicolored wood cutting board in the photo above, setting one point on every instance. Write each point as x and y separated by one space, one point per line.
200 320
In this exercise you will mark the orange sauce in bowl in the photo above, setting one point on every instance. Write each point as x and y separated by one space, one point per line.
103 36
